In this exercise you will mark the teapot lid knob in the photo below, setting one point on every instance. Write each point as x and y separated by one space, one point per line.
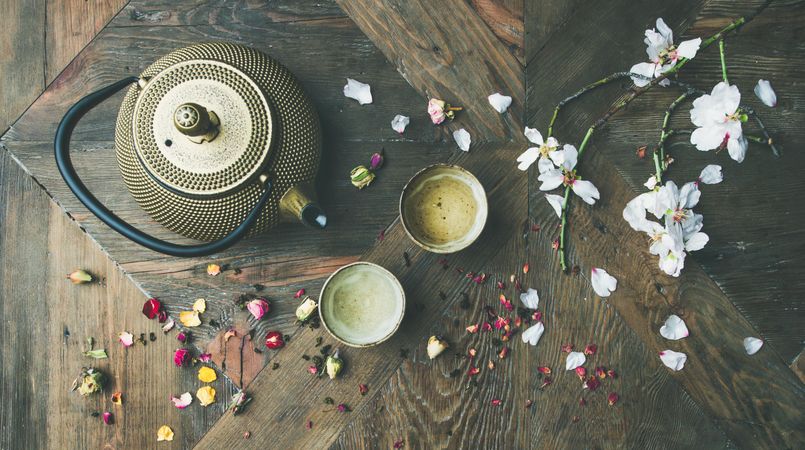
196 122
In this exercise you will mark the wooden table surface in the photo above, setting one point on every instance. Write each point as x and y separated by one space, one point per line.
748 281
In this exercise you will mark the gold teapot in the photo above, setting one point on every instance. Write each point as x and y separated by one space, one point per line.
215 141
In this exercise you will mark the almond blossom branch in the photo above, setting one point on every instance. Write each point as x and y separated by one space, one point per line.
582 147
664 133
768 140
606 80
723 60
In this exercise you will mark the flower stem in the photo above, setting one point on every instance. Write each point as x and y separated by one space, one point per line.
582 147
723 61
606 80
768 140
664 133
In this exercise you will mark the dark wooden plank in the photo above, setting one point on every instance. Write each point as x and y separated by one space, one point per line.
22 60
459 60
45 326
543 19
71 24
505 19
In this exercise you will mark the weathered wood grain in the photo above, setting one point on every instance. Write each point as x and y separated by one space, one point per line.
71 24
448 54
22 57
505 19
46 321
543 19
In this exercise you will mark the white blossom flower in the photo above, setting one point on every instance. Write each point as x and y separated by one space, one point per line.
719 121
462 138
711 174
530 298
673 360
555 177
765 93
574 359
752 345
556 202
500 102
533 333
662 54
603 283
546 152
361 92
399 122
674 328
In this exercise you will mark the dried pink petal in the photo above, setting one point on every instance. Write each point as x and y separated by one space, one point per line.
567 348
496 402
127 339
503 352
472 329
473 371
183 401
544 370
581 372
612 398
590 349
299 293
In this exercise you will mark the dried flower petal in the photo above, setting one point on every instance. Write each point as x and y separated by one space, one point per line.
306 309
164 433
506 303
525 268
313 370
126 338
590 349
207 374
490 365
189 318
472 352
473 371
80 277
399 122
752 345
611 374
151 308
486 326
168 326
472 329
181 337
496 402
181 357
274 340
546 382
544 370
462 138
612 398
363 389
673 360
205 357
299 293
528 403
500 102
503 353
601 372
213 269
183 401
343 407
436 345
567 348
581 372
206 395
117 398
356 90
258 308
592 383
603 283
107 417
674 328
200 305
574 359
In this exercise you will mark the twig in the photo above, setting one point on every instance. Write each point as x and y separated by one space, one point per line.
769 141
723 61
582 147
606 80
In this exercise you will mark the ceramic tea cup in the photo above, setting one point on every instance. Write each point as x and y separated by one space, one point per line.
443 208
361 304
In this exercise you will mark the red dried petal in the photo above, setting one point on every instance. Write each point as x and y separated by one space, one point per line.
299 293
528 403
309 425
486 326
274 340
592 383
181 357
501 285
612 398
151 308
109 419
496 402
525 268
162 316
546 382
600 372
473 371
472 352
503 352
536 316
518 321
567 348
544 370
581 372
555 244
399 444
363 389
313 370
535 227
472 329
590 349
506 303
342 407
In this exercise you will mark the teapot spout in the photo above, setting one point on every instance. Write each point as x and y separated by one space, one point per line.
299 203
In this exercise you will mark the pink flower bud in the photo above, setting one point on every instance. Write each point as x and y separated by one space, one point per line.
258 308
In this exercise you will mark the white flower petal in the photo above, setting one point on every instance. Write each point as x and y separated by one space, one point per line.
530 298
696 241
673 360
545 164
361 92
462 138
399 123
752 345
643 73
711 174
603 283
533 333
574 359
587 191
556 202
651 183
533 135
500 102
688 49
674 328
737 148
707 138
765 93
665 32
689 195
570 156
527 158
551 179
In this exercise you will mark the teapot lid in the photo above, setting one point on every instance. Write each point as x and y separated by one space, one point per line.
202 127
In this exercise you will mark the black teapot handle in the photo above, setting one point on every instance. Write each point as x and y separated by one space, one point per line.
62 151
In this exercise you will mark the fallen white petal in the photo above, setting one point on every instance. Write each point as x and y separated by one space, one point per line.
534 333
182 401
765 93
711 174
527 158
462 138
674 328
603 283
358 91
574 359
673 360
533 135
398 123
556 202
530 299
752 345
500 102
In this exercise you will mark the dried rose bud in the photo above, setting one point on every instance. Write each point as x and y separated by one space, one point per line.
472 352
546 382
274 340
439 110
80 277
567 348
612 398
108 419
361 177
525 268
376 161
342 407
486 326
89 381
333 365
611 374
496 402
501 285
600 372
503 352
582 402
518 321
363 389
536 316
544 370
436 345
238 403
592 383
213 269
490 365
181 357
313 370
306 309
590 349
581 372
528 403
117 398
181 337
472 329
151 308
555 244
258 308
473 371
299 293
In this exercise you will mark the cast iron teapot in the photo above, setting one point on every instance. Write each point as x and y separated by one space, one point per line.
215 141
